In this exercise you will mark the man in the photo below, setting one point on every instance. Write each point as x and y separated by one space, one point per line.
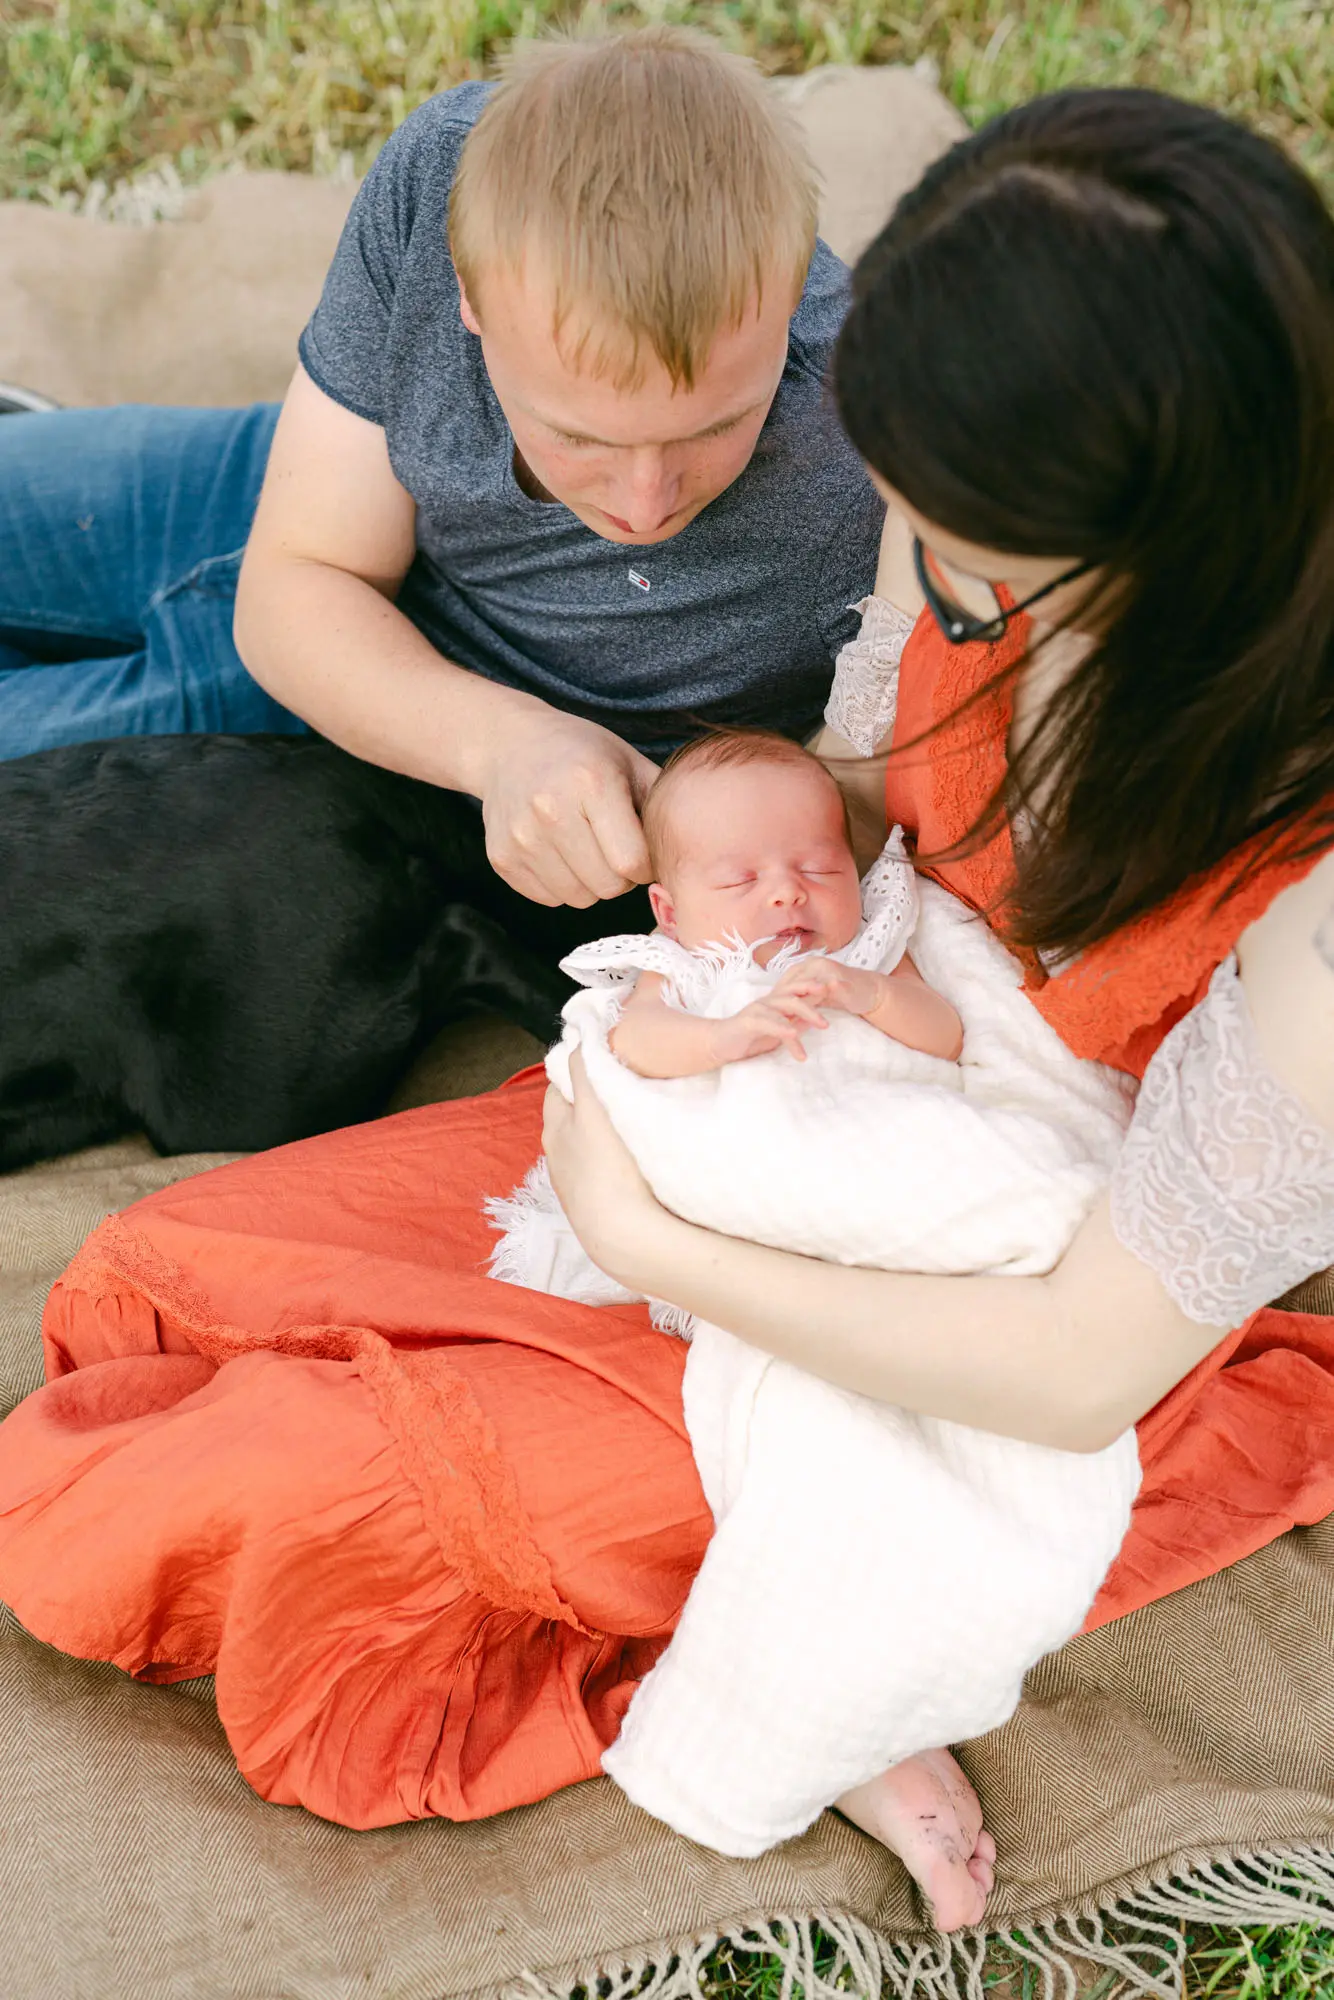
556 483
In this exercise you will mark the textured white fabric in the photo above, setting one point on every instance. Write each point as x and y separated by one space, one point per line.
878 1583
864 697
1225 1183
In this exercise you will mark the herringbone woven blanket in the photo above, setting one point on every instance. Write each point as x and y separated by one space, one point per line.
1178 1763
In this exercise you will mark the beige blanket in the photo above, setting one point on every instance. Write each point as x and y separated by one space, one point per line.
135 1864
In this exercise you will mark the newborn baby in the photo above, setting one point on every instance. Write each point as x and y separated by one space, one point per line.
748 837
782 1070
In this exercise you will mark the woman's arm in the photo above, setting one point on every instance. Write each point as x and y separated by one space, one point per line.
1068 1360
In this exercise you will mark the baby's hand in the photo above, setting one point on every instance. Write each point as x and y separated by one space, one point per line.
825 983
777 1021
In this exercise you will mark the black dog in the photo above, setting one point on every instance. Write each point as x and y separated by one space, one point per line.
229 942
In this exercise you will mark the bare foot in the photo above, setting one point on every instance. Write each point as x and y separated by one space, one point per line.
925 1810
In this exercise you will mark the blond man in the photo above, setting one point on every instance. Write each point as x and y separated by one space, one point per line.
556 481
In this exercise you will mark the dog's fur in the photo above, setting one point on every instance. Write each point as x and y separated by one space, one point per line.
229 942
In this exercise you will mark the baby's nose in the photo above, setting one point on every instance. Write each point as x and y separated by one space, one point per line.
787 889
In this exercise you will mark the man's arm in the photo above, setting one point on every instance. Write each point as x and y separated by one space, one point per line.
317 626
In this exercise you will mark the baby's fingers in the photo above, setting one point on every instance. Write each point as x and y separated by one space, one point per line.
805 979
791 1006
786 1033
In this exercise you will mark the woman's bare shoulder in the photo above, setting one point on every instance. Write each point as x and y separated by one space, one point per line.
1286 960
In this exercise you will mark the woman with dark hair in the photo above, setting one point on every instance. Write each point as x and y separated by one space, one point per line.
1090 364
431 1532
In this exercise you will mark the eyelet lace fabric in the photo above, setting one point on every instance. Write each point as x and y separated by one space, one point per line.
1225 1183
864 696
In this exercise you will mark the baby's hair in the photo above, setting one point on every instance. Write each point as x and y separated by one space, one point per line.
722 750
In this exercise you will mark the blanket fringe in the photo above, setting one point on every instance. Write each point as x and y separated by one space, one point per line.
1131 1946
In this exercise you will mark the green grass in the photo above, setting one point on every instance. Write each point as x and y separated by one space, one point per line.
97 90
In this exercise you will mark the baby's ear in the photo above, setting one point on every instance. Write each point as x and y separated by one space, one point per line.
664 909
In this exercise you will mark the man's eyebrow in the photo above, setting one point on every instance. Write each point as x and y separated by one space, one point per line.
710 430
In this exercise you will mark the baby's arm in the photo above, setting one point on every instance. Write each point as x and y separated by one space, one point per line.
656 1040
899 1003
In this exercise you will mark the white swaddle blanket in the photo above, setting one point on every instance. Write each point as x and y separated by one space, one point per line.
878 1582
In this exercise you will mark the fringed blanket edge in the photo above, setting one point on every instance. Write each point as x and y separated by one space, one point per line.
1128 1939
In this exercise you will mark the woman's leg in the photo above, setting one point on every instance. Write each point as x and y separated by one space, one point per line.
121 535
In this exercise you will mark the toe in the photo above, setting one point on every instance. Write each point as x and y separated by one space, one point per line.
957 1898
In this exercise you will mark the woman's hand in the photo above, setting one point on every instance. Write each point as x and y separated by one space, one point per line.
611 1208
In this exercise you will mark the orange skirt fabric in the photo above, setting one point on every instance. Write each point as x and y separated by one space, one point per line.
429 1531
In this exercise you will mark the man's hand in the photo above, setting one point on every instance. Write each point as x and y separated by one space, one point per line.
318 627
561 800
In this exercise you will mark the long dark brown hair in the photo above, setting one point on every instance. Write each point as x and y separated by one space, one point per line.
1102 328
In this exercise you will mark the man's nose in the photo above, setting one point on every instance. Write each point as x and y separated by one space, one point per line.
652 493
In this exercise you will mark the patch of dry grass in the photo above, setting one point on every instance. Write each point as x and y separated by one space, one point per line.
99 90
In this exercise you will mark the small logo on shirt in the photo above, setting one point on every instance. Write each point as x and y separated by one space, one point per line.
639 582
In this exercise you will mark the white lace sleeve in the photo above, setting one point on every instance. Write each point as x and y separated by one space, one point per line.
1225 1183
865 693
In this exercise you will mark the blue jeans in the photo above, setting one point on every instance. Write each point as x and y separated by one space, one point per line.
121 535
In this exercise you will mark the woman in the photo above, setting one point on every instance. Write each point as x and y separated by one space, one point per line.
430 1532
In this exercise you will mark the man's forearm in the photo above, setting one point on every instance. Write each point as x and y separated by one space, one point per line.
343 657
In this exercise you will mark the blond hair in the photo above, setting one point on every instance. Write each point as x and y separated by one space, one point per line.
722 750
655 177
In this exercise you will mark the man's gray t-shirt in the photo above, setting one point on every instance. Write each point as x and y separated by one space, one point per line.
745 608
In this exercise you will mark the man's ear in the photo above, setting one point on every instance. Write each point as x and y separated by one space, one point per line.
664 909
466 312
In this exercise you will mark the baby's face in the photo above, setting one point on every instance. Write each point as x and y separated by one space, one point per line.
758 851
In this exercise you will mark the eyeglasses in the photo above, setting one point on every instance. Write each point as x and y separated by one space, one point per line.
987 622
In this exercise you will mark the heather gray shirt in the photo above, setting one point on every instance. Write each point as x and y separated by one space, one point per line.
744 609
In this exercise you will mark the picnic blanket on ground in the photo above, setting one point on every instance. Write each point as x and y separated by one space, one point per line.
139 1866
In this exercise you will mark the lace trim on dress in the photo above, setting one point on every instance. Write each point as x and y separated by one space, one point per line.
1225 1183
864 696
889 913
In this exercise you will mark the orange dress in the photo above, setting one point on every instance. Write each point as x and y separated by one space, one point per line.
429 1531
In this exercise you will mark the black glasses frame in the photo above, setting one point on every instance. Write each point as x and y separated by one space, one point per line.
960 627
